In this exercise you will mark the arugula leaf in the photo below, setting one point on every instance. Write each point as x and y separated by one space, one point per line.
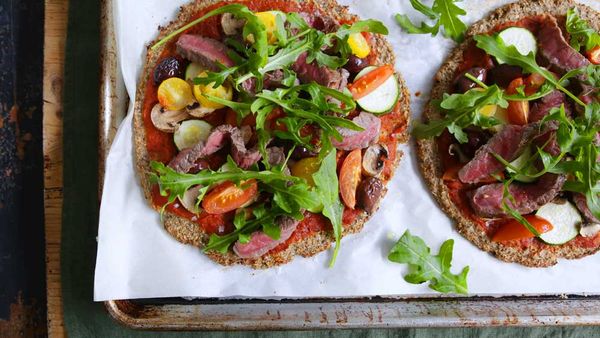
582 34
447 14
424 267
461 111
326 183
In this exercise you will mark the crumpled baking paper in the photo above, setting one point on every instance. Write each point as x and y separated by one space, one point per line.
138 259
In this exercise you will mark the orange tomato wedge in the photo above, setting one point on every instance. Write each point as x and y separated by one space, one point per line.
594 55
227 196
514 230
366 84
533 82
518 111
350 177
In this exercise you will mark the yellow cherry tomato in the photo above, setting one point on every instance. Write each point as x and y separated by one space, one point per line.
305 168
175 94
359 45
223 91
269 20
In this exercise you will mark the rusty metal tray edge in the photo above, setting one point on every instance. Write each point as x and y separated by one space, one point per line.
317 313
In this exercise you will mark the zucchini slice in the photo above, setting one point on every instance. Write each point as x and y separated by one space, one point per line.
565 219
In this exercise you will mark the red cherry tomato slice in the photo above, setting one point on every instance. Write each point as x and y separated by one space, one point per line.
350 177
366 84
514 230
227 196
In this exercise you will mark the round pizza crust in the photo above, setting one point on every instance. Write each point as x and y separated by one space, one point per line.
428 155
188 232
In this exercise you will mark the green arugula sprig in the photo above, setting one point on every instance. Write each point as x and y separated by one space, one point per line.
577 139
582 34
447 14
463 110
424 266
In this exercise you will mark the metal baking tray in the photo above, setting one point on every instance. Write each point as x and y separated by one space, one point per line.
317 313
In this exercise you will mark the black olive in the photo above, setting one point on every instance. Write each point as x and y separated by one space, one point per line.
356 64
463 84
477 138
167 68
503 74
369 193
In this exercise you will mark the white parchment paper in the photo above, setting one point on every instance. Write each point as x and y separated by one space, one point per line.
138 259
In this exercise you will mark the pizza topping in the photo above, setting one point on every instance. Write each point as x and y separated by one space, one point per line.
504 74
175 94
464 84
374 160
167 120
208 52
310 71
555 49
230 24
167 68
488 200
350 177
369 193
354 139
190 132
514 230
260 243
542 108
509 143
228 196
190 200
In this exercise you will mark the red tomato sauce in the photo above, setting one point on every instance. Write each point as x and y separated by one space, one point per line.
161 147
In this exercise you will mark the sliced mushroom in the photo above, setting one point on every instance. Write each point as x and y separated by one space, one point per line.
196 110
190 198
167 120
231 25
374 159
589 230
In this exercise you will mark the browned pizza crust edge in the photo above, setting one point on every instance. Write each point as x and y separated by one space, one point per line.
427 152
188 232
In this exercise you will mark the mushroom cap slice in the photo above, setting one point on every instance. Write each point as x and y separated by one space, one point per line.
190 198
373 159
167 120
199 111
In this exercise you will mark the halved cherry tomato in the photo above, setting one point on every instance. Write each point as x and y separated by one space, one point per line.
305 168
227 196
594 55
366 84
533 82
518 111
350 177
514 230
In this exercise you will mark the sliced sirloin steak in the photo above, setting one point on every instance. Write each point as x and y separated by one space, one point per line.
260 243
309 72
542 107
205 51
507 143
353 139
486 200
218 138
555 49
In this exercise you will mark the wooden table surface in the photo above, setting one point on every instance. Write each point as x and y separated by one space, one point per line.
55 29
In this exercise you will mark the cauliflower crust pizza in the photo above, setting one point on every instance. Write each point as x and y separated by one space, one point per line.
268 129
509 143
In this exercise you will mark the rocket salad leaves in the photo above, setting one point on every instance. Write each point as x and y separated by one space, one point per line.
447 14
423 266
